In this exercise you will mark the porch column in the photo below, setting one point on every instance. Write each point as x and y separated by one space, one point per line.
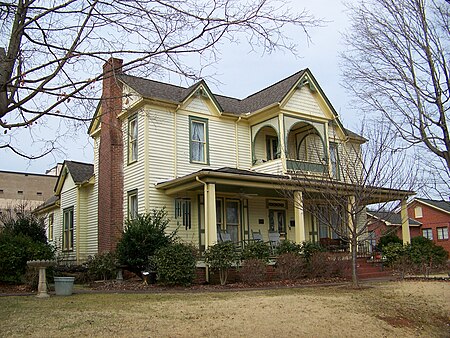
300 231
210 215
405 224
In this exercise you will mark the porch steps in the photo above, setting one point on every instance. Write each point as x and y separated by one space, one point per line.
372 269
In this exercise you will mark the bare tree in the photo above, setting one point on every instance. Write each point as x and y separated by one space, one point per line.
54 48
397 64
359 175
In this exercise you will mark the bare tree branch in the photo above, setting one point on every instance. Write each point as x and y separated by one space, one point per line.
396 64
54 49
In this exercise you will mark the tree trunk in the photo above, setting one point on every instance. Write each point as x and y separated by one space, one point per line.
354 246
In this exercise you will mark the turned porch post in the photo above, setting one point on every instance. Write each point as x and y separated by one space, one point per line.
300 232
210 215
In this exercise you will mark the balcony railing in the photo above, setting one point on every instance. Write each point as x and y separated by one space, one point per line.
302 166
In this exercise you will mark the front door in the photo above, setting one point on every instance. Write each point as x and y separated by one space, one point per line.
233 219
277 222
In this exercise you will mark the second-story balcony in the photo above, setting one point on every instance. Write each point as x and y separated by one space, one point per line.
305 151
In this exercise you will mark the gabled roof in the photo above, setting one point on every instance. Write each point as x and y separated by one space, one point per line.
79 171
391 218
272 94
265 97
441 205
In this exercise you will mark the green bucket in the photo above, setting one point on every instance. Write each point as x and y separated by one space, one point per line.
64 286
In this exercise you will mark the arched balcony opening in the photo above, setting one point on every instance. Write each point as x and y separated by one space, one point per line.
306 150
266 145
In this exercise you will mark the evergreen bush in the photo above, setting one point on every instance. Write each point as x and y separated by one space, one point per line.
102 266
221 257
256 250
287 246
175 264
142 237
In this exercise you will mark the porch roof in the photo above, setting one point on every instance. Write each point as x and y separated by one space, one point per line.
247 182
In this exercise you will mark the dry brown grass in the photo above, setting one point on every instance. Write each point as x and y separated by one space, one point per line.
396 309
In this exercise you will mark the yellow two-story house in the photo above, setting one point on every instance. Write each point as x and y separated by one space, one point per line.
219 165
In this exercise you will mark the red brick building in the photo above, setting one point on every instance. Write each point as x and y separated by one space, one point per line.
386 223
435 218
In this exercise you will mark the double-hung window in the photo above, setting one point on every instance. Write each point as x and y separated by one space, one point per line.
68 229
442 233
427 233
334 160
51 220
198 130
132 204
133 139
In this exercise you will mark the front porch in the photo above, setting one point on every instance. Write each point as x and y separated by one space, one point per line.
233 204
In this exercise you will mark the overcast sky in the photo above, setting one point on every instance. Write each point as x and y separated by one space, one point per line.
242 73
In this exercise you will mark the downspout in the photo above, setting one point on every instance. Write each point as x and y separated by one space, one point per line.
146 164
175 167
236 141
205 196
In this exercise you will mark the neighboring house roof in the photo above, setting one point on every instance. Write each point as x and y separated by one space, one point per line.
52 201
391 218
441 205
80 172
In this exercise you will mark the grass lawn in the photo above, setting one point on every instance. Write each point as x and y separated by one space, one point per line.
394 309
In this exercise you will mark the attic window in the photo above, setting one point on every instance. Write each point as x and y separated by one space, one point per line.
1 191
39 193
418 212
20 192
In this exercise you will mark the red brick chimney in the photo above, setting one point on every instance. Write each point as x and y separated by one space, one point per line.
110 160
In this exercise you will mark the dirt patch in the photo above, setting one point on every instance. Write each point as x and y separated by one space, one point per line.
13 288
398 321
138 286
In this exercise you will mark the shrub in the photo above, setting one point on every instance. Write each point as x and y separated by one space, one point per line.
221 257
102 266
256 250
421 256
387 239
288 247
319 265
15 251
398 257
309 249
426 255
290 266
253 271
142 237
23 222
175 264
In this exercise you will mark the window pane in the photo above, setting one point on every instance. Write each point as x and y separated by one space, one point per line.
198 133
198 141
232 212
